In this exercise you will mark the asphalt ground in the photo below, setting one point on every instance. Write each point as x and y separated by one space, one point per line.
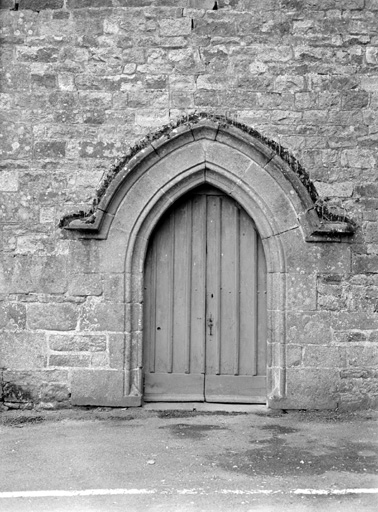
182 459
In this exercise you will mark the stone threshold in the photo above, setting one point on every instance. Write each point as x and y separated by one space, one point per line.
205 407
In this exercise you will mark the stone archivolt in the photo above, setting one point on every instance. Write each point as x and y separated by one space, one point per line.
318 223
271 192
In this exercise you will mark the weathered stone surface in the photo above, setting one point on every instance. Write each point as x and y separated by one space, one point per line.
35 385
175 27
8 181
55 317
309 328
101 387
22 350
100 316
324 357
114 287
38 5
77 342
70 360
82 81
332 258
301 292
365 263
312 388
56 149
117 346
85 284
12 316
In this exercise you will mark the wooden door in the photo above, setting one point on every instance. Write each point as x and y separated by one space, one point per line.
205 304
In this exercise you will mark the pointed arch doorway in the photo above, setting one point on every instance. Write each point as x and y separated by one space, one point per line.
205 304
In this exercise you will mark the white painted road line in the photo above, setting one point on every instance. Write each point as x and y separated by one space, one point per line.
113 492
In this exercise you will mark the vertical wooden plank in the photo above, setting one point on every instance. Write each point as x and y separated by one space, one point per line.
181 292
255 308
213 283
261 309
229 318
152 319
189 235
162 293
237 294
170 288
248 306
218 318
149 308
198 285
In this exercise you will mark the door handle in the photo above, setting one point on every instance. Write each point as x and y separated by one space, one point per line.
210 323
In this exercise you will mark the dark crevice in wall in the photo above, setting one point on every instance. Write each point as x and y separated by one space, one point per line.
215 8
223 121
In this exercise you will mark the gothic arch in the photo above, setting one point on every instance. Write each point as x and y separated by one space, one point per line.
241 165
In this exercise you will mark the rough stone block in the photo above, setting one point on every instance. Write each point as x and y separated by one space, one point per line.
359 158
355 100
16 139
175 27
151 118
344 189
309 328
39 5
287 83
312 388
47 149
94 149
365 263
117 351
100 360
8 181
25 273
50 273
36 54
363 357
27 386
301 292
70 360
22 350
372 54
85 284
47 81
208 5
12 316
324 357
54 317
293 355
302 257
114 287
102 316
52 392
95 100
101 388
7 4
351 336
84 256
82 4
77 342
351 320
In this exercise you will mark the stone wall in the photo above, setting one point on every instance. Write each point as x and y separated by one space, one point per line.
83 80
